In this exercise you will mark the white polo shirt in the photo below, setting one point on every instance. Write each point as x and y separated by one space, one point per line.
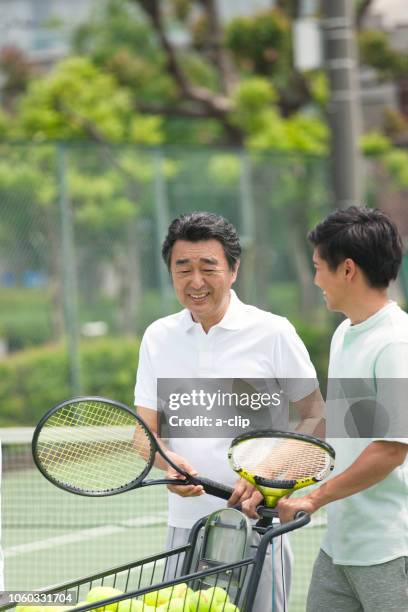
247 343
370 527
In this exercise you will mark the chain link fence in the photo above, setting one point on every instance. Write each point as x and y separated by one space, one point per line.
81 228
81 277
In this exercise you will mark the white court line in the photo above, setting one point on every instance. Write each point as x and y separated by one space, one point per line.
84 534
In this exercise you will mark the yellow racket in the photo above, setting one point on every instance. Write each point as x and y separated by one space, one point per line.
279 462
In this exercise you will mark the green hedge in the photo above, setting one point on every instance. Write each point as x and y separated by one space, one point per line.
317 341
25 317
34 380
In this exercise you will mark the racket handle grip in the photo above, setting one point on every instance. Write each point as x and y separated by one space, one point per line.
213 488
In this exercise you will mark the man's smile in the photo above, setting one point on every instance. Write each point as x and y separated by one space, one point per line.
199 296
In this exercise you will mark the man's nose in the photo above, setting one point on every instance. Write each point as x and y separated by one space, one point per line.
196 280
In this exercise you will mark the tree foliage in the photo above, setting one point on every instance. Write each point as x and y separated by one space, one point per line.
376 51
77 101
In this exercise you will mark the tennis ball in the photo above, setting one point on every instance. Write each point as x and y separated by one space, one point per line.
179 601
228 607
218 594
175 604
133 605
179 590
201 601
157 598
103 592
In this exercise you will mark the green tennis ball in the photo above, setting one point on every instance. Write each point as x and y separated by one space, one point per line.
133 605
142 607
157 598
179 590
175 604
100 593
200 601
218 594
194 601
190 595
226 607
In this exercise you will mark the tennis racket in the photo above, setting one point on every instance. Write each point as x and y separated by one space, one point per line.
278 462
97 447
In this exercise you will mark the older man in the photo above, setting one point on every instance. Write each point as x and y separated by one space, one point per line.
217 336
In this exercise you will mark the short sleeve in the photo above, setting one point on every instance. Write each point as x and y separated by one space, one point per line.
391 376
146 379
392 361
296 371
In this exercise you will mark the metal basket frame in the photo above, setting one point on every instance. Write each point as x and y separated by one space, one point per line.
249 571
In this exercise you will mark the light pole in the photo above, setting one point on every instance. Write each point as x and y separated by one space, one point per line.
344 105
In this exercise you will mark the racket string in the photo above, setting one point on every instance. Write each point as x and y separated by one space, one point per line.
281 459
94 447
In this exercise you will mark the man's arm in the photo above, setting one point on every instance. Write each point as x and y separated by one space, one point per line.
311 412
150 418
242 490
374 464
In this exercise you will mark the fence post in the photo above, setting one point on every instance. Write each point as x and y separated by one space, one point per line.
162 223
69 273
247 238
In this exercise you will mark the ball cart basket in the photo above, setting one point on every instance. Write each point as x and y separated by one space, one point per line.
218 570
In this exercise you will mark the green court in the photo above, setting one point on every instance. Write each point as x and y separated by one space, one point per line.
50 536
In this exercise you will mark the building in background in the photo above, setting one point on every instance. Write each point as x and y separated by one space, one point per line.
390 17
41 28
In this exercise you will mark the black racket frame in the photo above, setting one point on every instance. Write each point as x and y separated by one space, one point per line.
210 486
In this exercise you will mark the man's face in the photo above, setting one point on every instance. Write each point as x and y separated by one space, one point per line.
202 279
332 283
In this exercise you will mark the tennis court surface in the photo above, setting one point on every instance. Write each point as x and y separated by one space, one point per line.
50 536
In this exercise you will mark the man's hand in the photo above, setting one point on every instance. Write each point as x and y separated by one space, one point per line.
289 507
374 464
250 505
182 490
247 496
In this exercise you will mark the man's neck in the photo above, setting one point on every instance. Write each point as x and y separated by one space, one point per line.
208 322
366 305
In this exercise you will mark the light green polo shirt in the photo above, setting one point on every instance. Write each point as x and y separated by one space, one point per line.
370 527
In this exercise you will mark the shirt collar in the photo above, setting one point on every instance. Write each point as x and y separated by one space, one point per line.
233 318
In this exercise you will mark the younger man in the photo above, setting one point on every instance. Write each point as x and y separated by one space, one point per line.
363 561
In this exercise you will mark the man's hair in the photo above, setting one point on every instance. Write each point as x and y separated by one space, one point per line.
366 236
198 226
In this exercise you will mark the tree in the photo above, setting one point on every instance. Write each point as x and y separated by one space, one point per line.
390 65
152 72
75 102
198 81
95 98
16 73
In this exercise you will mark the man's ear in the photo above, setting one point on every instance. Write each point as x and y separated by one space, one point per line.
350 268
235 270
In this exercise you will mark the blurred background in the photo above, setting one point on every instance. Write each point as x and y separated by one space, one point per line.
118 115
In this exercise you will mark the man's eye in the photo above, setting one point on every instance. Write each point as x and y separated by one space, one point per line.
209 270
